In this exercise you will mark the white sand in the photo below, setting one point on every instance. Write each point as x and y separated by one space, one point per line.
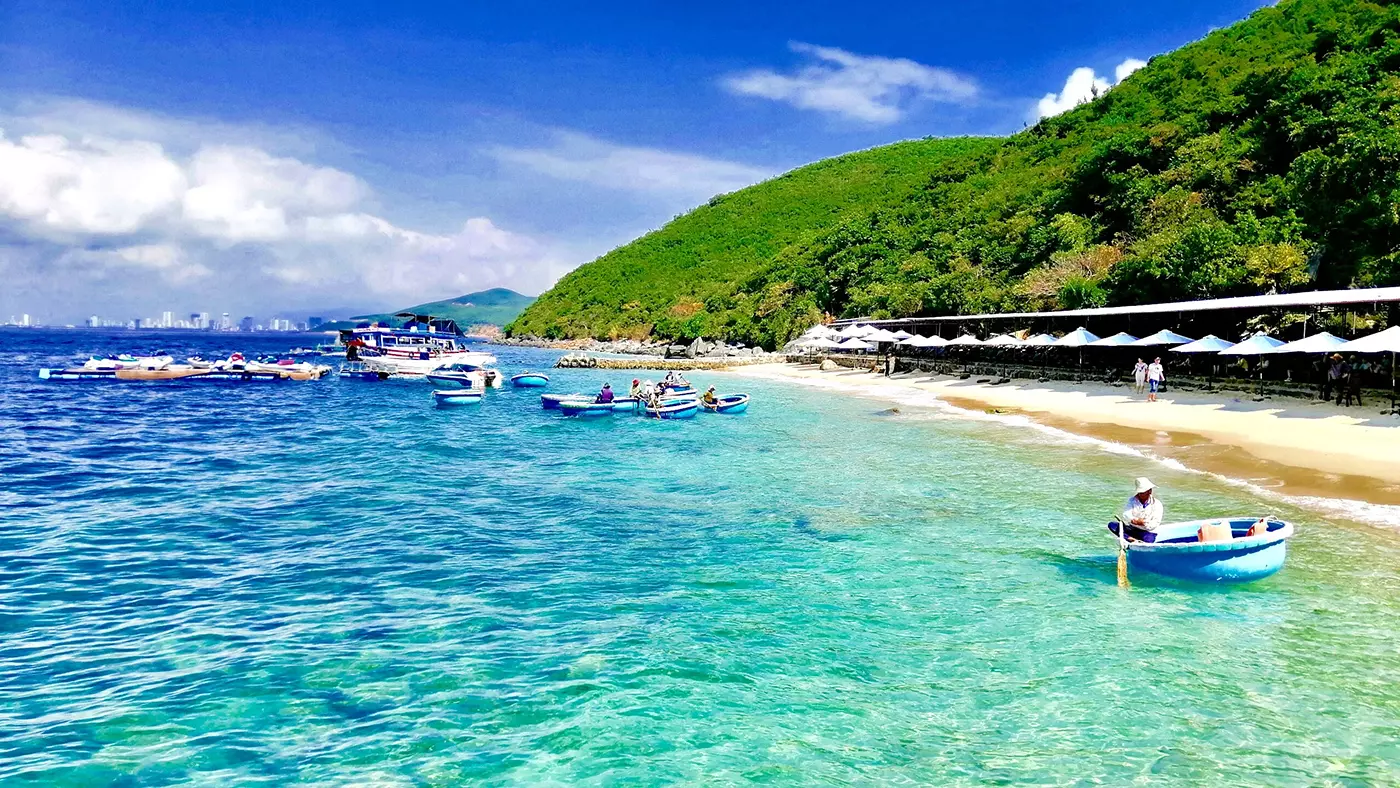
1321 437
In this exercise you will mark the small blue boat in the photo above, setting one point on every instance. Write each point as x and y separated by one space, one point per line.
1174 550
457 396
730 403
681 389
356 370
463 376
551 401
679 409
530 380
586 409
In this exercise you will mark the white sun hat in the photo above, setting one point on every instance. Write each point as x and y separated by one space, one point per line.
1144 484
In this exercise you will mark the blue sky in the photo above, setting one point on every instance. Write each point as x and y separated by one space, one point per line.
278 158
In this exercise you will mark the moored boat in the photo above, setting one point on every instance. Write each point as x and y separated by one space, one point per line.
356 370
678 409
457 396
551 401
1175 550
586 409
624 404
423 344
530 380
730 403
461 376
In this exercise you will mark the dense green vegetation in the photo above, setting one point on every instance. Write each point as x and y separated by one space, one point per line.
1264 157
497 306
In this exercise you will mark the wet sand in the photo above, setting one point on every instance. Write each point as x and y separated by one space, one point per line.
1294 447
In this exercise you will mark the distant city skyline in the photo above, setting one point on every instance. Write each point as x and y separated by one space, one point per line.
196 321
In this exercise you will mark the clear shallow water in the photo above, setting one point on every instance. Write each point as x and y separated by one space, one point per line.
326 583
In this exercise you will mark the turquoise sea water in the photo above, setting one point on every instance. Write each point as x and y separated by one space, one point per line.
332 583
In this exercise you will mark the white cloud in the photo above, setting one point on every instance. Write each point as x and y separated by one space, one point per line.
578 157
861 87
1127 67
1084 86
89 210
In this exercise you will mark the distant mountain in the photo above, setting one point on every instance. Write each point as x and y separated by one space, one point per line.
497 306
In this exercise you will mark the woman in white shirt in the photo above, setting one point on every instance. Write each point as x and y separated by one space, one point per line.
1155 376
1139 376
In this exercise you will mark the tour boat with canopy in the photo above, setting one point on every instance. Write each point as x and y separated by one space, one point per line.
422 344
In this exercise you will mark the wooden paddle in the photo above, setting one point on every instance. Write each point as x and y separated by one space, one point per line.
1122 554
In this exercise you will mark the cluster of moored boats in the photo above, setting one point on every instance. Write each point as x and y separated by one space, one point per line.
162 366
672 398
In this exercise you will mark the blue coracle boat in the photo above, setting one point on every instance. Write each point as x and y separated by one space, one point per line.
1176 552
457 396
730 403
551 401
679 409
623 404
530 380
585 409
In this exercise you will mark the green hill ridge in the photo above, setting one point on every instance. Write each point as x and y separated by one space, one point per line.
1265 157
497 306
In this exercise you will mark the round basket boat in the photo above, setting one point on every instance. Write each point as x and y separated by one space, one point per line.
457 396
530 380
1175 551
585 409
730 403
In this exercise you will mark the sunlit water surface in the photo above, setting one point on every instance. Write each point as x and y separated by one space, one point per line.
333 583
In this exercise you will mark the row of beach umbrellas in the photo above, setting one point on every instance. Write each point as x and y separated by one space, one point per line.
857 337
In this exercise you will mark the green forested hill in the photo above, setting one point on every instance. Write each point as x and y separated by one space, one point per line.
1264 157
497 306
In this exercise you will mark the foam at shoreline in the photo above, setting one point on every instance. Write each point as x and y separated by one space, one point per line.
1379 514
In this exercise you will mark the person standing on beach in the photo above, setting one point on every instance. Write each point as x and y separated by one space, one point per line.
1139 376
1155 376
890 362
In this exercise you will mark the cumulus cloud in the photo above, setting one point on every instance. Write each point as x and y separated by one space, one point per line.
867 88
86 210
1084 86
578 157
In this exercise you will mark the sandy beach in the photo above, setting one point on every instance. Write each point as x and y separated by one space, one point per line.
1305 448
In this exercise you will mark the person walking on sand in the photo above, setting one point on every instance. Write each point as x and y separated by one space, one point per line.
1155 376
1139 376
890 362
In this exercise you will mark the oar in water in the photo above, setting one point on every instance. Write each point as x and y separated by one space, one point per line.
1122 554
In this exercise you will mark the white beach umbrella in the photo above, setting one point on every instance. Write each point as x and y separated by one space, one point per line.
1121 339
880 335
855 344
912 340
1387 341
822 343
862 332
849 331
1079 337
1209 343
1317 343
934 341
1256 345
1039 340
965 339
902 335
819 331
1163 337
1004 340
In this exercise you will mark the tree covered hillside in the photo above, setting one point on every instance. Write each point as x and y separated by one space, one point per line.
1264 157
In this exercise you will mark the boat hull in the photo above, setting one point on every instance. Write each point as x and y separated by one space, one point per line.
675 410
469 380
1175 552
424 363
551 401
457 397
530 380
586 410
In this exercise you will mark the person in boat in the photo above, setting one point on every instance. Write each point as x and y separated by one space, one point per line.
709 398
605 397
1143 513
636 388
